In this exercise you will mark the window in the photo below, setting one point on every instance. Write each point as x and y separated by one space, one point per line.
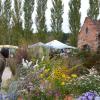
87 30
86 47
99 37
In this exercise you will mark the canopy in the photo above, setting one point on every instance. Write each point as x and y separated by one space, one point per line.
58 45
8 46
36 44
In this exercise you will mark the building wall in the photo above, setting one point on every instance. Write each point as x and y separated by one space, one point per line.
87 35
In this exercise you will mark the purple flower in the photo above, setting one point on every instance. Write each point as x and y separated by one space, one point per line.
57 94
49 93
88 96
83 98
97 98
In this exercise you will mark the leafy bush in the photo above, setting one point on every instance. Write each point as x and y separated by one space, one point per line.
46 78
21 53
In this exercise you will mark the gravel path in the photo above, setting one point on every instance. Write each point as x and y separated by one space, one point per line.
7 74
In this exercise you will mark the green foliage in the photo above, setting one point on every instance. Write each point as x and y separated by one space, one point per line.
17 32
84 84
40 20
89 59
12 34
28 9
74 20
12 65
42 37
56 18
5 21
3 30
7 11
93 11
17 11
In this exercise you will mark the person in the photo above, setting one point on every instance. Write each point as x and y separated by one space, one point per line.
3 55
51 54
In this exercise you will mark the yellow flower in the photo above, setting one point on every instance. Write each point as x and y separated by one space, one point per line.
68 77
74 76
62 83
41 75
63 76
46 70
49 78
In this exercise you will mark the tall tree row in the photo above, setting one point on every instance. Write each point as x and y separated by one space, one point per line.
56 18
40 19
93 11
74 20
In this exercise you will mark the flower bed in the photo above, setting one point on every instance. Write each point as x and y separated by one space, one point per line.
50 80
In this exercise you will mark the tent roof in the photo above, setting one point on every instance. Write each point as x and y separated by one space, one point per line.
58 45
36 44
8 46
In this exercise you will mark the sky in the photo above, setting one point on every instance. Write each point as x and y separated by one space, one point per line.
65 24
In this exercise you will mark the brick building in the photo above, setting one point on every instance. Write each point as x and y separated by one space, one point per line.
89 35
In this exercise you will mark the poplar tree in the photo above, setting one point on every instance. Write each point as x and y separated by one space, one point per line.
17 14
74 20
17 31
1 25
6 20
40 19
93 11
56 18
28 9
7 12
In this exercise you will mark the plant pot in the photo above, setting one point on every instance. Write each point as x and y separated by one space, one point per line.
20 98
56 97
68 97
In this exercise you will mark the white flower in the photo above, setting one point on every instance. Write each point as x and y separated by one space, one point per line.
42 58
36 64
92 71
26 63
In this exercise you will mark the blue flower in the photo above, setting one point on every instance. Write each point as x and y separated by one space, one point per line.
82 98
88 96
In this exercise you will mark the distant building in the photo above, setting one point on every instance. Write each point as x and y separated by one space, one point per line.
89 35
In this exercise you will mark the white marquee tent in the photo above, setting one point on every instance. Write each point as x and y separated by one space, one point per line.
58 45
36 44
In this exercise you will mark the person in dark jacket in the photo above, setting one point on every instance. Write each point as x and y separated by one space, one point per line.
3 55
